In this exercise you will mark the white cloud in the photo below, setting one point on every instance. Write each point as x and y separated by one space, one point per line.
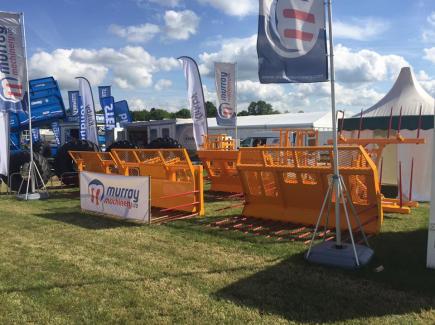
431 19
209 96
306 97
427 82
130 67
136 104
137 34
240 50
180 25
166 3
248 90
360 29
428 34
366 65
59 64
162 84
429 54
234 7
351 66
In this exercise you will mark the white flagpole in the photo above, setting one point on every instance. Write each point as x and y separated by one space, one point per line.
334 129
27 87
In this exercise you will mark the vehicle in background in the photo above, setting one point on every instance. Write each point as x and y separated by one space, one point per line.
267 138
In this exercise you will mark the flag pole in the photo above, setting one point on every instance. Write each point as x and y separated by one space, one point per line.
30 178
33 168
338 254
336 175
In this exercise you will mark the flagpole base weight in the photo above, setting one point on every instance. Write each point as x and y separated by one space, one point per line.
327 253
32 196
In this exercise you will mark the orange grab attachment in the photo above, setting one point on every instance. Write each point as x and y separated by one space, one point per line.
176 184
290 184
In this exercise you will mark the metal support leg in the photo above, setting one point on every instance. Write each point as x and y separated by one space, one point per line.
354 212
349 226
320 217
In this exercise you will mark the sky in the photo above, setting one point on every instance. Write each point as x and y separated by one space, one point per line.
133 45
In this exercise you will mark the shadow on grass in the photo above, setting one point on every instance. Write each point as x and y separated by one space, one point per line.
86 220
64 194
114 281
213 197
302 292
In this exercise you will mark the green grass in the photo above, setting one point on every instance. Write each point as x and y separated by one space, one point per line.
58 265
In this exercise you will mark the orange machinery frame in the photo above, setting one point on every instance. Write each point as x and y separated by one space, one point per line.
289 184
375 147
219 156
175 183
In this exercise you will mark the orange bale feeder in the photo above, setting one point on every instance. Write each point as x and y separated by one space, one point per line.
219 156
301 137
290 184
176 185
97 162
375 148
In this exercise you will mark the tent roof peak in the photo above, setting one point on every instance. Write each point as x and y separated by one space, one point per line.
406 93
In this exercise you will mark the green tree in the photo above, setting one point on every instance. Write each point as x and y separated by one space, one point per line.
243 113
142 115
211 109
261 108
159 114
182 113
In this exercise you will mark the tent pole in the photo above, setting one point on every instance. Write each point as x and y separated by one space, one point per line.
360 123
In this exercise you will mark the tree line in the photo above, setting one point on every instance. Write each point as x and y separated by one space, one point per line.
255 108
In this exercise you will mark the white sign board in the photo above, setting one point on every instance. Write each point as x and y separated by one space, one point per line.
127 197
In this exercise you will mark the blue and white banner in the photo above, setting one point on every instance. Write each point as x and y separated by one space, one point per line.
108 104
225 79
109 112
55 126
36 134
104 91
122 112
73 98
291 42
13 75
15 141
82 120
195 97
89 110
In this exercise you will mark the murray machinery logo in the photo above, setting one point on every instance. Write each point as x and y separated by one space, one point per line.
11 90
112 195
11 87
96 192
293 26
226 110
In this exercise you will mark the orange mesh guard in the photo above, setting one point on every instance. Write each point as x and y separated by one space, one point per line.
91 161
290 184
175 183
221 169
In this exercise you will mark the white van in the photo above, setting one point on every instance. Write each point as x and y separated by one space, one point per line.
267 138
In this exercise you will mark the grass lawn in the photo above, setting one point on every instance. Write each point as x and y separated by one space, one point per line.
59 265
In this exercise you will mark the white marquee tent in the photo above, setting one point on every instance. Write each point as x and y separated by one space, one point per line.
250 125
406 95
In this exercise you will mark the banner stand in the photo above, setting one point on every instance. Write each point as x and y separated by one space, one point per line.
33 173
338 254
